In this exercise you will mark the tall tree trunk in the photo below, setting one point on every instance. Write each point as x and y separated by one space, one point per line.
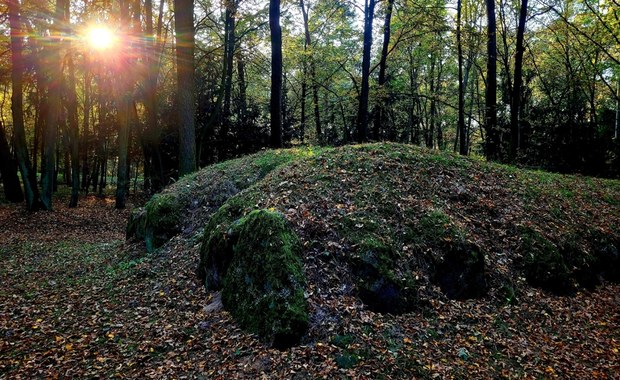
617 128
382 106
303 96
243 102
276 73
86 127
31 190
515 133
430 135
461 120
72 115
313 78
54 79
75 134
184 26
124 119
8 171
304 74
492 140
152 135
362 114
227 74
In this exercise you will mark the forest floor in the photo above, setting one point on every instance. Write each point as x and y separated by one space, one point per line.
78 301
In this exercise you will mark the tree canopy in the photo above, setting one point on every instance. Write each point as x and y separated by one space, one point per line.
94 93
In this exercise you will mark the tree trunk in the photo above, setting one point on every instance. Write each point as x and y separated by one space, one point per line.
184 26
313 78
461 120
31 190
72 115
86 128
382 106
152 138
227 74
492 140
276 74
304 74
124 120
617 128
8 171
243 102
362 114
75 135
516 89
53 67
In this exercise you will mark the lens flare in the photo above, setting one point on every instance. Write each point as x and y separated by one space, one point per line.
100 37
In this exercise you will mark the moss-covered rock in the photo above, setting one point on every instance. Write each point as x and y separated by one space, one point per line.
379 287
136 226
580 259
216 250
606 250
256 262
163 214
456 265
461 274
543 263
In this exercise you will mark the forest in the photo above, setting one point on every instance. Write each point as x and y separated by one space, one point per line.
91 93
309 189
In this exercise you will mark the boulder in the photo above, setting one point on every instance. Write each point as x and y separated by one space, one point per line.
379 287
256 262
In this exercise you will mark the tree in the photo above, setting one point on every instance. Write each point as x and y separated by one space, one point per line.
72 113
516 88
184 27
8 171
153 166
381 107
275 108
313 78
52 84
124 109
461 130
492 140
362 114
33 202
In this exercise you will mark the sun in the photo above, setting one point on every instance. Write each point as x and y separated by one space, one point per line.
100 37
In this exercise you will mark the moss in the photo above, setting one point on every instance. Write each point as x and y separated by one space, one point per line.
163 219
216 250
606 251
456 264
379 286
435 229
579 259
136 226
543 264
260 271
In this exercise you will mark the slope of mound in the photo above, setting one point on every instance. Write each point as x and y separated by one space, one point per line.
384 218
187 204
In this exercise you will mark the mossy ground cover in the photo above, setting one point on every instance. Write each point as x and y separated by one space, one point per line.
146 317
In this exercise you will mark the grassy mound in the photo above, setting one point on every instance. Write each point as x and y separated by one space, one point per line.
184 206
398 226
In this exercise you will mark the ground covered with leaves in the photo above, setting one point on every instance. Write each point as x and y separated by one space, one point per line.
78 301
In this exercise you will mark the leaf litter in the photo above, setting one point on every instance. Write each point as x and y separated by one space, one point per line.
78 301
